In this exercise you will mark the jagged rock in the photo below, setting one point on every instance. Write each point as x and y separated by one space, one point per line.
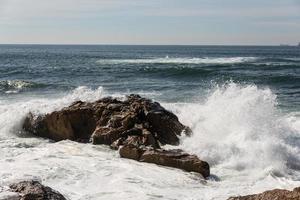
138 125
33 190
105 120
276 194
74 123
106 135
171 158
131 151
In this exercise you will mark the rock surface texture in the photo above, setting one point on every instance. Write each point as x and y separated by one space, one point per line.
138 127
33 190
272 195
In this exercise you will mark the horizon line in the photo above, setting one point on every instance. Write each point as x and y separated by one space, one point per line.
108 44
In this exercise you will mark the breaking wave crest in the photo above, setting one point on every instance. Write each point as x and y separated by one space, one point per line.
241 129
15 86
168 60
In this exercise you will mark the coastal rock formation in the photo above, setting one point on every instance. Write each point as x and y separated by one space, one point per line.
29 190
137 126
276 194
170 158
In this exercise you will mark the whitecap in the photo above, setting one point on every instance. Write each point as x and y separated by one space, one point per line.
184 60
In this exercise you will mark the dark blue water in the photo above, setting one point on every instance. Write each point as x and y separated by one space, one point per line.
173 73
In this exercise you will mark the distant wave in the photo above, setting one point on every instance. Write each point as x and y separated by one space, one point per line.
15 86
168 60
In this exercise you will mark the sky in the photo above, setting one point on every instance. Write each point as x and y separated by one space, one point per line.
170 22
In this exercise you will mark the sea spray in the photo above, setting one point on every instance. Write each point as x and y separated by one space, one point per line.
12 113
240 128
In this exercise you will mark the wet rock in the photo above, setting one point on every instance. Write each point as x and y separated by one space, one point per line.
33 190
165 125
176 158
276 194
171 158
131 151
74 123
106 135
104 120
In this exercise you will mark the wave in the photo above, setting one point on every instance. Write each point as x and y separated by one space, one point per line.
239 129
177 71
15 86
168 60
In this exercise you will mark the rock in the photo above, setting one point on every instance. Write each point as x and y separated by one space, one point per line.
131 151
171 158
138 125
106 135
276 194
74 123
33 190
176 158
105 120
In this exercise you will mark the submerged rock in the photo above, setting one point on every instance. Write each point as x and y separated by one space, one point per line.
276 194
134 122
29 190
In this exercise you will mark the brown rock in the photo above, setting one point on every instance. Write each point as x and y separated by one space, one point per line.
105 119
106 135
276 194
170 158
33 190
73 124
177 159
165 125
131 151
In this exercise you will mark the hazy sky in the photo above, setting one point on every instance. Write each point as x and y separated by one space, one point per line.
150 21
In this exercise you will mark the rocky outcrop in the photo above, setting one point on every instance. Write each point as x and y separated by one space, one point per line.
170 158
107 120
29 190
276 194
136 124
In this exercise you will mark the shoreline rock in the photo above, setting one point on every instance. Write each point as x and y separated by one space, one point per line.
29 190
137 126
170 158
276 194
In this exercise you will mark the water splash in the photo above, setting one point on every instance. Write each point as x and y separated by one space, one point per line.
240 128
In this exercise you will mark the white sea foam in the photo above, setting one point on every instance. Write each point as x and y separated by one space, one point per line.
250 145
169 60
238 123
15 86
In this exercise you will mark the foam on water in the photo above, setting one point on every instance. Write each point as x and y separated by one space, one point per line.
15 86
239 127
168 60
250 145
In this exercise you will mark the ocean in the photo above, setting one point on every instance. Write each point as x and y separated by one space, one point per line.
242 103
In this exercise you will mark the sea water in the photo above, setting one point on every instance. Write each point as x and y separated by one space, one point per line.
242 103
